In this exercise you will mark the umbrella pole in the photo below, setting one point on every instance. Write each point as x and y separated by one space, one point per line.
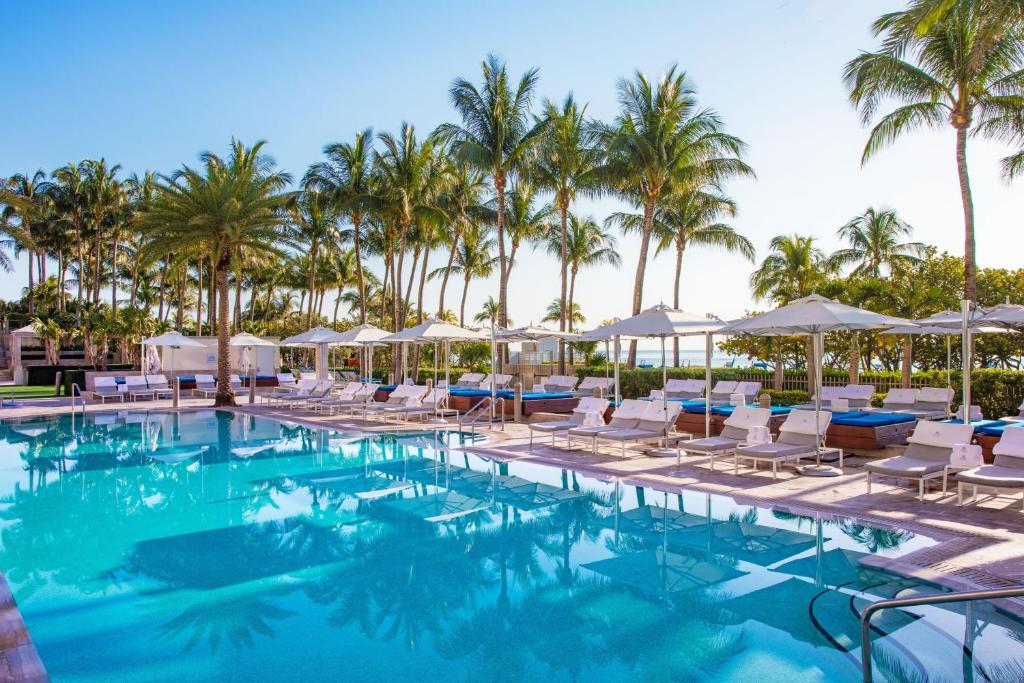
494 380
607 357
708 346
949 360
447 364
435 365
967 360
664 369
819 342
618 346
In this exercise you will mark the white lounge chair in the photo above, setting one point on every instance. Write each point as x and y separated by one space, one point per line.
136 386
656 424
722 390
235 382
434 404
1019 417
306 375
361 396
626 416
285 383
926 456
500 382
301 389
797 440
206 386
858 395
470 380
556 384
603 386
1004 475
321 389
684 389
933 403
899 400
404 396
159 385
734 433
345 391
588 405
749 390
106 387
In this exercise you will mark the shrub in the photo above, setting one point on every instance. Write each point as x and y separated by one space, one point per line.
787 397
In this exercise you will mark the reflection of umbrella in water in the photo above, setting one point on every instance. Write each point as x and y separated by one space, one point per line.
756 543
658 571
653 520
357 483
439 507
789 607
30 432
246 452
173 456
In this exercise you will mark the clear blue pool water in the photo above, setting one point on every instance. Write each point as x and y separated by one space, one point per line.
207 546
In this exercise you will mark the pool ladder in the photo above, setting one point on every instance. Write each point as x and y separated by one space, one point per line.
77 391
937 599
481 409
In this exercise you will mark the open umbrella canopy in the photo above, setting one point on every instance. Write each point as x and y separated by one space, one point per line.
813 314
314 337
532 333
171 339
435 330
363 334
1006 316
951 319
246 339
657 321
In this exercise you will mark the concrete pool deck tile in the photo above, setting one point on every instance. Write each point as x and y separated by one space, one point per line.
19 660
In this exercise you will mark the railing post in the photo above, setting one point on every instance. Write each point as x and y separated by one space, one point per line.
518 407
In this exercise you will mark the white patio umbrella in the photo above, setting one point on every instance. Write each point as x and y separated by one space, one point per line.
663 322
529 333
171 340
319 338
248 342
435 331
366 336
813 315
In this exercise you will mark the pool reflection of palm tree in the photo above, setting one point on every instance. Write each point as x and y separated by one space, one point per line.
875 538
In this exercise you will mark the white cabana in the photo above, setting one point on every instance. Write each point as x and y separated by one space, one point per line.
365 336
318 338
248 342
662 322
813 315
171 340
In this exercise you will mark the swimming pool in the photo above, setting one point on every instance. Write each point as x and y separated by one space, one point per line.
216 546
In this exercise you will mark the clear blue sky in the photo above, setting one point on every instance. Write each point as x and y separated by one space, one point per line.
149 85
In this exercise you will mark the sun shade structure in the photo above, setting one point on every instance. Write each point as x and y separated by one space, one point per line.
319 338
171 339
245 339
813 315
532 333
366 336
435 331
663 322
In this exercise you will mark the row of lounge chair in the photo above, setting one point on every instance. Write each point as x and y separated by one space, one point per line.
406 401
478 380
133 388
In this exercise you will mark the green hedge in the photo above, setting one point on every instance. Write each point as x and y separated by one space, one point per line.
76 375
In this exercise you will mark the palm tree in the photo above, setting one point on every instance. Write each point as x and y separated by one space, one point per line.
793 269
26 198
554 312
588 244
314 220
104 198
409 181
346 175
957 71
488 315
525 223
566 163
659 144
462 203
875 239
495 137
691 218
230 206
472 260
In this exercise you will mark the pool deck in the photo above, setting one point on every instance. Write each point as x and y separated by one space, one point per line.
978 546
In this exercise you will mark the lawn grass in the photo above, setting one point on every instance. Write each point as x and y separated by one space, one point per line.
15 391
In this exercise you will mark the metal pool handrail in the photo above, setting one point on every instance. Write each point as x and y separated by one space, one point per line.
77 391
938 599
479 410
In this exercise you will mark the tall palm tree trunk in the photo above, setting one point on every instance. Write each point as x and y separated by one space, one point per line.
444 278
641 269
412 278
356 220
113 273
675 299
564 211
225 396
337 304
31 270
970 267
211 313
854 357
236 317
906 360
780 367
462 306
199 297
311 285
499 188
163 284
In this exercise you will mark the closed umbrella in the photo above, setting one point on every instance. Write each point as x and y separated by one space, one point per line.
813 315
663 322
248 342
